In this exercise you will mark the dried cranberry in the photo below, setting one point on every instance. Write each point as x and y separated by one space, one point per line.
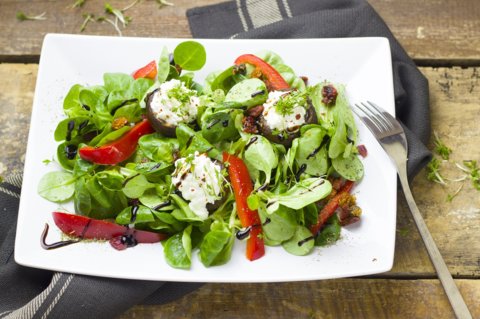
329 93
362 150
249 124
255 111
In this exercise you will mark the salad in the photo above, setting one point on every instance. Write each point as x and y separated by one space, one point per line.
253 153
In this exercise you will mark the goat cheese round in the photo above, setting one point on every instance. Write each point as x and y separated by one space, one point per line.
173 103
199 179
290 122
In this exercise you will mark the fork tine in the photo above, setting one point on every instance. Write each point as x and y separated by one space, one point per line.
375 117
366 118
392 122
375 111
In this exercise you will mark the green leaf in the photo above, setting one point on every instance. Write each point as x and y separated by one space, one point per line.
178 249
282 224
190 55
143 215
136 186
311 152
117 81
219 126
56 186
163 66
184 213
303 193
261 156
158 148
287 73
330 232
216 247
350 168
113 135
301 243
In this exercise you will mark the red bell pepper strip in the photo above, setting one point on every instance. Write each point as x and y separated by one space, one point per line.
329 209
273 79
242 187
149 71
88 228
119 150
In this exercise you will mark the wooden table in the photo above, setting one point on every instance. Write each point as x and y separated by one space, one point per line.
443 36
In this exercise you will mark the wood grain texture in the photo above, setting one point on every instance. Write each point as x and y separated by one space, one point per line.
341 298
439 31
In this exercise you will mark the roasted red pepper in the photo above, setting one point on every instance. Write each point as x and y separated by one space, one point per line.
329 209
149 71
272 78
242 187
88 228
119 150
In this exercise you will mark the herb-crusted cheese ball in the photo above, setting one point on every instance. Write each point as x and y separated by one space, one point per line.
200 181
171 104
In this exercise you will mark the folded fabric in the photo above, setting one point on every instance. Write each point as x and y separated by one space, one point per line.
282 19
33 293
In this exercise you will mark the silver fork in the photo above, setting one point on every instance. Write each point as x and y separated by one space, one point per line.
389 133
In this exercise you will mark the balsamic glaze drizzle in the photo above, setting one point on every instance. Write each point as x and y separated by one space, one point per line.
254 94
161 205
243 233
57 244
70 127
303 241
212 123
301 170
252 140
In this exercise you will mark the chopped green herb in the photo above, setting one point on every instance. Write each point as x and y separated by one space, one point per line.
286 104
46 161
21 16
450 197
88 17
118 14
163 3
443 150
473 172
433 171
78 4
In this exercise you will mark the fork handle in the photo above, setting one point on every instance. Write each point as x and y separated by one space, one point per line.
453 294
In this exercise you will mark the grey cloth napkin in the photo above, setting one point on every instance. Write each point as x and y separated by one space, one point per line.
33 293
282 19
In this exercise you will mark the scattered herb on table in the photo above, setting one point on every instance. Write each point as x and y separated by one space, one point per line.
21 16
433 172
78 4
440 148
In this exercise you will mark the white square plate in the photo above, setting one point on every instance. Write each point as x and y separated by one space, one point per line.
362 64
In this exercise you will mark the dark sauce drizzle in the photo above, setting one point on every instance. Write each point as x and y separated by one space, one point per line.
70 127
212 123
61 243
254 94
57 244
161 205
252 140
71 151
225 123
134 214
241 234
301 170
303 241
129 178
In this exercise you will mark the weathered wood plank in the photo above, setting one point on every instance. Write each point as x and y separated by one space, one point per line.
341 298
454 225
440 31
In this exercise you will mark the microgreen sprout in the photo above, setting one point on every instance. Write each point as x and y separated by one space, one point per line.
450 197
163 3
78 4
118 14
21 16
288 102
433 172
440 148
473 172
88 17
